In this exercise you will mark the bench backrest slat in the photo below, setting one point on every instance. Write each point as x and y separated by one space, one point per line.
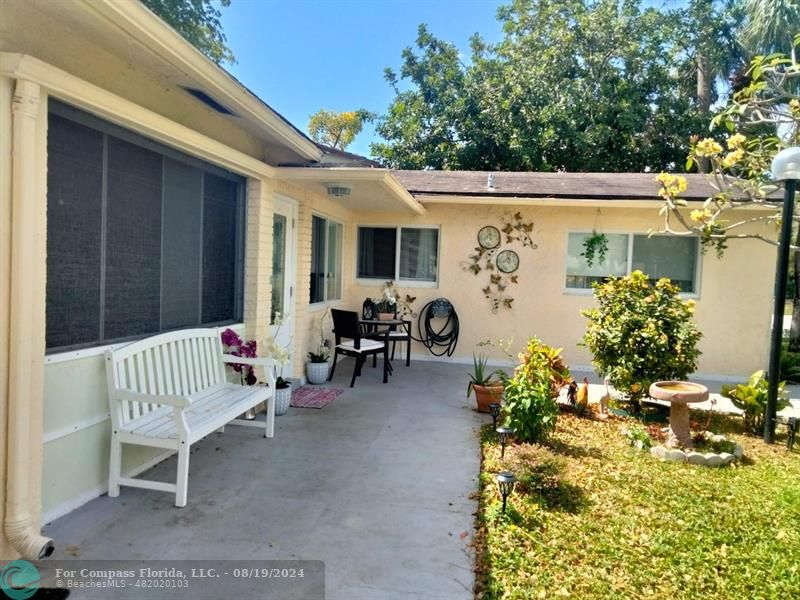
179 362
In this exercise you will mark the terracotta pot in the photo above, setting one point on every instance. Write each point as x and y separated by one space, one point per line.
385 316
486 395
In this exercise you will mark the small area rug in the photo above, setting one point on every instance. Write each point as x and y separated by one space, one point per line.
308 396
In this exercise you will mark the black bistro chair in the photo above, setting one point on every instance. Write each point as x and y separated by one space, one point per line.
346 327
395 335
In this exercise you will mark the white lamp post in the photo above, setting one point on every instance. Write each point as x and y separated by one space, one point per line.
786 168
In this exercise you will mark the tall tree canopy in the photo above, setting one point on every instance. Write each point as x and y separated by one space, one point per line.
197 21
580 85
337 129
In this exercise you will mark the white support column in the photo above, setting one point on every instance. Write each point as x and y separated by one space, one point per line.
258 258
27 322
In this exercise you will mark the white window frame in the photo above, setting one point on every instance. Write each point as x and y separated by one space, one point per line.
411 283
326 301
629 261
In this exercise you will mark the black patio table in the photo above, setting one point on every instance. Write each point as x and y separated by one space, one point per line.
406 325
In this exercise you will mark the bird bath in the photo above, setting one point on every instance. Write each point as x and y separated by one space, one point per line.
679 394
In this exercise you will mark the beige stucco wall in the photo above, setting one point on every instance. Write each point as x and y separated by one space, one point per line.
733 307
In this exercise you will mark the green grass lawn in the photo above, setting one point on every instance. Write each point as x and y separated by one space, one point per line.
592 517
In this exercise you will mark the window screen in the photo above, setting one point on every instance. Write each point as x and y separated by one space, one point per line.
318 233
419 252
74 232
666 256
141 238
326 260
376 252
581 275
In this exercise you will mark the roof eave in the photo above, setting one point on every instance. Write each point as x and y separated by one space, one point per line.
139 22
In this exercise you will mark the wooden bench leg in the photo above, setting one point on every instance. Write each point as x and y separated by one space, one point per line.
269 420
114 467
183 475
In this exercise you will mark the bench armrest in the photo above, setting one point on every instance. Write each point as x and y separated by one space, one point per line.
169 399
267 364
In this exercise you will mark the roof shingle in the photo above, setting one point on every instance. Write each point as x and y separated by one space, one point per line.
620 186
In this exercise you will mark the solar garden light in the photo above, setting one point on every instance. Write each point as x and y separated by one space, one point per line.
503 433
505 483
494 410
786 168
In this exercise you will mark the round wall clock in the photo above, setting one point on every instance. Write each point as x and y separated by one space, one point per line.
507 261
489 237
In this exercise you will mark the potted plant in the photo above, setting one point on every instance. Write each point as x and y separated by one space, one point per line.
386 304
283 395
487 387
280 354
317 366
236 346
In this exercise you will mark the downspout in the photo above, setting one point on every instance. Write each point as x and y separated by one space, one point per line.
19 528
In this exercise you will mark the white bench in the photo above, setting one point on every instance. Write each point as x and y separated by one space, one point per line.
169 391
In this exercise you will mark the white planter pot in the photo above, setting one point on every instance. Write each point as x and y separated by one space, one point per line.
283 397
317 372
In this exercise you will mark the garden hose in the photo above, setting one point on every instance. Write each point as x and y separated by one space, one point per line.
443 340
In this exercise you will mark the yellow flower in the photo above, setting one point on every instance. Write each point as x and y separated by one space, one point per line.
698 216
794 105
671 185
731 158
736 141
707 147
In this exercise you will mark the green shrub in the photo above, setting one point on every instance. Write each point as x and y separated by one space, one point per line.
790 365
530 405
641 333
751 397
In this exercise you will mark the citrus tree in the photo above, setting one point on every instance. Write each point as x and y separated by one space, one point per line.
640 333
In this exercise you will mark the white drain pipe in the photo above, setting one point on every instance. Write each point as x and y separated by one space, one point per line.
19 527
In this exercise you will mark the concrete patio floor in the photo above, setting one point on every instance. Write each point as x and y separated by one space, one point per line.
377 485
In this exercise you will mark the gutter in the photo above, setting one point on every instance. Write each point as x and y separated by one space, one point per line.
25 181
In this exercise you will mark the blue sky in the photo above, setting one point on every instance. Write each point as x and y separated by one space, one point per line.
303 55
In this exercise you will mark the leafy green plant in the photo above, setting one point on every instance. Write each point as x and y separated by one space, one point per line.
480 373
640 333
639 436
595 246
790 365
751 397
530 406
321 356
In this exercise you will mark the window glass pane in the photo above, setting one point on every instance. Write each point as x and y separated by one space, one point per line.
278 265
318 230
581 275
376 252
219 249
666 256
334 277
74 221
133 241
419 250
182 245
